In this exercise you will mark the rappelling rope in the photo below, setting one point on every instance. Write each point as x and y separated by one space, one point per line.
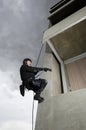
33 112
39 55
33 92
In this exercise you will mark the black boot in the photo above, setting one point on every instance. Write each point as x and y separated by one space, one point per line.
40 99
22 90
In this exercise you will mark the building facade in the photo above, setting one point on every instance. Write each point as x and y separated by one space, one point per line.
65 53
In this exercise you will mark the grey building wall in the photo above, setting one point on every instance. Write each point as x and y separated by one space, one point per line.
63 112
52 89
54 80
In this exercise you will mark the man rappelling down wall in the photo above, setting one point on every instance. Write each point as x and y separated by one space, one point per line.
29 80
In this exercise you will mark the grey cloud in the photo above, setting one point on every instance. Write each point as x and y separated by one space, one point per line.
22 23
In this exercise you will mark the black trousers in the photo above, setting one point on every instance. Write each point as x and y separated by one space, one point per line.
37 85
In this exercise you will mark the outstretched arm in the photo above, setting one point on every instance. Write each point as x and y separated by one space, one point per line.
36 69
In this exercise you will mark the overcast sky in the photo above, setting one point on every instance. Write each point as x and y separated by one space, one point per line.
22 23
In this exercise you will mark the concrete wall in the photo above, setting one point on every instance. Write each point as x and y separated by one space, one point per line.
71 42
63 112
54 84
53 88
60 111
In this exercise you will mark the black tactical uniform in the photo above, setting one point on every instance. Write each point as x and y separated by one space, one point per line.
29 81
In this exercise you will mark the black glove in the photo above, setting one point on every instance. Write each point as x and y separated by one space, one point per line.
47 69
